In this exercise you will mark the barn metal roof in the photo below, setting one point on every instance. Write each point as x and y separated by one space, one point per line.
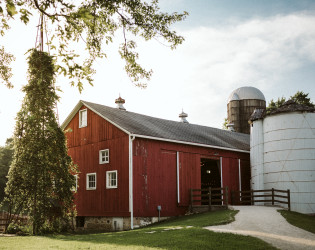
151 127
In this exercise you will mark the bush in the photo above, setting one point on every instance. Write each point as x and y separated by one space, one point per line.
17 229
59 225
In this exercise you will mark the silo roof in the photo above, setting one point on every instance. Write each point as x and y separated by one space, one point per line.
292 106
246 93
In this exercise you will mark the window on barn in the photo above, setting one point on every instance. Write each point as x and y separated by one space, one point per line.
82 118
111 179
75 187
91 181
104 156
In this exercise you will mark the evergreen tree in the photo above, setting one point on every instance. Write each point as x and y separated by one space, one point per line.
301 98
273 105
41 175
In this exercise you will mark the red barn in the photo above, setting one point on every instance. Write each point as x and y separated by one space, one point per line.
131 164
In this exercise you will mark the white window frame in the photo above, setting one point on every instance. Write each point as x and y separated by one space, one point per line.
104 159
88 181
75 187
108 179
82 123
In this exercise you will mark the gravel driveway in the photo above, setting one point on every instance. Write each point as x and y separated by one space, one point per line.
269 225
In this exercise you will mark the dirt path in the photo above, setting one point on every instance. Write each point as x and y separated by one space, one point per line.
269 225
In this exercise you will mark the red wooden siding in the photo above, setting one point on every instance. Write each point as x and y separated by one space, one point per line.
189 175
84 145
155 174
230 174
154 170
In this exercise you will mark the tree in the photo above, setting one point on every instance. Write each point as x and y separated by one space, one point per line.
41 175
300 98
6 154
96 22
5 70
225 123
273 105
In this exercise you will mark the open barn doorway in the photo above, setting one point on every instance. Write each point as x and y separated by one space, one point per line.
210 175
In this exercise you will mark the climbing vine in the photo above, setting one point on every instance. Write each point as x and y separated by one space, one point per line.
41 176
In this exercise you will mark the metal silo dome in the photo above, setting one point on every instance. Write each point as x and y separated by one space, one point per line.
246 93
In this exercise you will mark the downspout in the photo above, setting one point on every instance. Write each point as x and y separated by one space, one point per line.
239 178
131 138
177 173
221 170
239 175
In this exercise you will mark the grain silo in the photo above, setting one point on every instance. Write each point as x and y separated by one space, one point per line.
282 153
241 104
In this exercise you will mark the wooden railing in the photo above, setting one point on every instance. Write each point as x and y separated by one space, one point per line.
271 196
15 218
209 197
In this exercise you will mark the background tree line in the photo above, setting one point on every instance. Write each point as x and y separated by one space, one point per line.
6 155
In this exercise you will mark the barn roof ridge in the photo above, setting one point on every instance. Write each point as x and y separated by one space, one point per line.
151 127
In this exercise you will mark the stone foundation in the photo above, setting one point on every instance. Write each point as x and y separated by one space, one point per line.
144 221
115 223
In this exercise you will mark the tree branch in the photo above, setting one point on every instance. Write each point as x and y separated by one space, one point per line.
47 14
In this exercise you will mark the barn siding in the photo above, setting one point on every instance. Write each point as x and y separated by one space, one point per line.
154 170
84 145
230 174
155 174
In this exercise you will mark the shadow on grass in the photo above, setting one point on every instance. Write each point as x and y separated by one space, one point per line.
302 221
182 233
186 238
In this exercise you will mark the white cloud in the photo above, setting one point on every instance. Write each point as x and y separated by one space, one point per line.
200 74
214 61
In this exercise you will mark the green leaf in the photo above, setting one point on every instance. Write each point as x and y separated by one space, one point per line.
11 8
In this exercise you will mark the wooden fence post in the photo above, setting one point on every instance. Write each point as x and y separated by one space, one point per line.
272 196
289 200
210 199
251 197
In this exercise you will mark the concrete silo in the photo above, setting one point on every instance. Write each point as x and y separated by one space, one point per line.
241 104
283 153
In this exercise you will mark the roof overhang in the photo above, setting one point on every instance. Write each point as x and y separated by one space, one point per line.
190 143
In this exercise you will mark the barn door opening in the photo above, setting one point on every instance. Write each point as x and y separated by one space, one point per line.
210 175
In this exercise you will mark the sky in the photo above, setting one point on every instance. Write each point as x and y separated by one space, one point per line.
267 44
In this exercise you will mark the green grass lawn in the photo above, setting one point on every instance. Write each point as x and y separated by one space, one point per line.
182 233
303 221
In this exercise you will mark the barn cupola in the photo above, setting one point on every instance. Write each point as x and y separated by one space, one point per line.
120 103
183 117
230 127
